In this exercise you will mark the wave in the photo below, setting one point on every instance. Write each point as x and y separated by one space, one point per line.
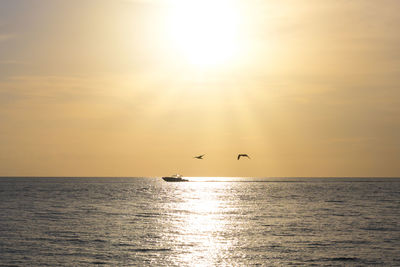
149 249
344 259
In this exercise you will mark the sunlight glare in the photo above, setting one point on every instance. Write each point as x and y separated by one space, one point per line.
205 32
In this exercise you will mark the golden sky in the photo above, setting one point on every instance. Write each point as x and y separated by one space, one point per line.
137 88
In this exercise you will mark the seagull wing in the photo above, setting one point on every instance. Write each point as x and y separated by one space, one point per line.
243 155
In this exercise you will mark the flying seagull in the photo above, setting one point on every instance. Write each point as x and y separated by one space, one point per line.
199 157
243 155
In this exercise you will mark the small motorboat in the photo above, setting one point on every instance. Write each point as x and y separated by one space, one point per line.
175 178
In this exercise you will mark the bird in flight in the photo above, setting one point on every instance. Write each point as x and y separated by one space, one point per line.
243 155
199 157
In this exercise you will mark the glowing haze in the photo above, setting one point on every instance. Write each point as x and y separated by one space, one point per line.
137 88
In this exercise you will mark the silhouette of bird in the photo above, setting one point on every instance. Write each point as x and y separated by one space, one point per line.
199 157
243 155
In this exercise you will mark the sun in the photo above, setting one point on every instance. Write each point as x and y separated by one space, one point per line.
205 32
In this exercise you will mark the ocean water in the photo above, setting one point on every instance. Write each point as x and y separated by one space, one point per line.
206 222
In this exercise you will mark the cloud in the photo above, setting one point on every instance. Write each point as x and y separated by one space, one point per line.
80 98
5 37
12 62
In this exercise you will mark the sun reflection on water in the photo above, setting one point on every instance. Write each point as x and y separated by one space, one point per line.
200 224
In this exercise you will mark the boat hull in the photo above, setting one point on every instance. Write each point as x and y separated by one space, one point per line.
174 179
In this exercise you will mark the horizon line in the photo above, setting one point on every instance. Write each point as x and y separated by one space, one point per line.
253 177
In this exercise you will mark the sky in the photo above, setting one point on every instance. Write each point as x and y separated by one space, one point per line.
140 87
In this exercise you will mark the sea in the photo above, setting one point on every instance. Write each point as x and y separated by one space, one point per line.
207 221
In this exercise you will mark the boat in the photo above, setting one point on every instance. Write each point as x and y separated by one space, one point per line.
175 178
